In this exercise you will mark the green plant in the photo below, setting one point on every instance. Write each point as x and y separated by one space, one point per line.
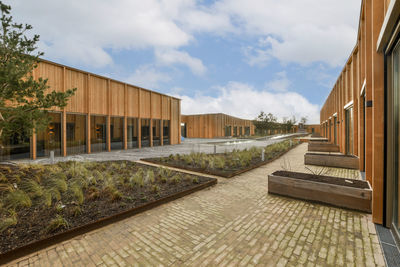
8 221
31 187
56 223
176 179
155 188
149 177
219 162
195 180
75 192
76 211
17 199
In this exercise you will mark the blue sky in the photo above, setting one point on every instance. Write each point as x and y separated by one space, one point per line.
232 56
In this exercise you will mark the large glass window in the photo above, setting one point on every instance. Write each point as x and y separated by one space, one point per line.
228 130
16 147
76 134
117 132
394 135
335 130
240 131
235 131
50 138
166 132
349 131
247 130
156 132
145 131
98 133
132 132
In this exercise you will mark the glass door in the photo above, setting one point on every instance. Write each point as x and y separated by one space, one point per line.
393 140
349 131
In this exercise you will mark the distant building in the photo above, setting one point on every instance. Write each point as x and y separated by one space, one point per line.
215 125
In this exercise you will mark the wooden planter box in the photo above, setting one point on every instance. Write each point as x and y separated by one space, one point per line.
331 160
323 147
340 192
319 139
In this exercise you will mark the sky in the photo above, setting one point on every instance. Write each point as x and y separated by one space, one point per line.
237 57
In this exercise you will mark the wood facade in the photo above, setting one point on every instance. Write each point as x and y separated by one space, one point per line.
101 96
215 125
354 114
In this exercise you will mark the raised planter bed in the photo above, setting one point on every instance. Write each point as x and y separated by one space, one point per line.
227 171
318 139
340 192
31 232
323 147
331 160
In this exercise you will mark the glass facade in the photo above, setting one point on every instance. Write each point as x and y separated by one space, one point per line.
335 130
349 131
394 136
117 133
76 134
98 133
156 132
240 131
50 138
235 132
145 132
166 132
16 147
228 130
247 131
132 132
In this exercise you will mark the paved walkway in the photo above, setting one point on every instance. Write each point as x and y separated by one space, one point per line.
235 223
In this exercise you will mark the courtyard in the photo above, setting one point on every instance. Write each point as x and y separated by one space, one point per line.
235 223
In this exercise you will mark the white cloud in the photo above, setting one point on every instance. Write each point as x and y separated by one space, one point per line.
244 101
280 84
170 56
302 31
148 76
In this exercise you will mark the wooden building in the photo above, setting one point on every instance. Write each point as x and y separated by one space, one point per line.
215 125
361 113
104 114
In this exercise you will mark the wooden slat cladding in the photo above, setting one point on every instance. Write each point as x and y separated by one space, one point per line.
359 90
213 125
97 95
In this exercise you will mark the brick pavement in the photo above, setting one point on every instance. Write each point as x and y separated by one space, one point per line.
235 223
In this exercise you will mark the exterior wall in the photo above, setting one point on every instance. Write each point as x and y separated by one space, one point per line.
361 81
97 95
213 125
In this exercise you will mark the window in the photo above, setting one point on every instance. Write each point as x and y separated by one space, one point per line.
166 132
247 130
16 147
132 132
50 138
349 131
156 132
76 134
228 130
117 133
98 133
145 131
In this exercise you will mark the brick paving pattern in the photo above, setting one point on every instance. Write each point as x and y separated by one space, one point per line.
235 223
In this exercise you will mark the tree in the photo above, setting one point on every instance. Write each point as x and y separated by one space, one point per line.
24 101
303 120
265 122
288 123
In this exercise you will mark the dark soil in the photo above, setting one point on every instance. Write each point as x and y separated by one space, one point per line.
330 155
324 179
33 221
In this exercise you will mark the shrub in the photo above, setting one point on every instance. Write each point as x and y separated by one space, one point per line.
149 177
7 222
17 199
195 180
176 179
155 189
56 223
31 187
219 162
